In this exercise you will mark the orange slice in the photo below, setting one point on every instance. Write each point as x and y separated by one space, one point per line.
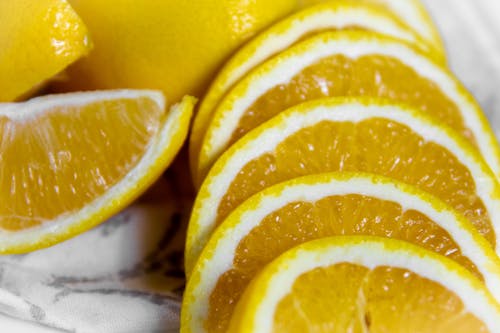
346 63
365 285
317 206
71 161
364 135
332 15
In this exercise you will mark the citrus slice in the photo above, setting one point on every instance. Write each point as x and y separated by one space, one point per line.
332 15
70 161
346 63
412 12
317 206
343 134
366 285
38 39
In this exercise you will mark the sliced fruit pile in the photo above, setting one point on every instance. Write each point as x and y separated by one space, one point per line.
70 161
347 182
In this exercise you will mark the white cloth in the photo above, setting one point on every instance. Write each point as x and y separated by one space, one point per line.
126 275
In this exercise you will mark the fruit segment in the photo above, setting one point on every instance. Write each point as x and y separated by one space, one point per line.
70 161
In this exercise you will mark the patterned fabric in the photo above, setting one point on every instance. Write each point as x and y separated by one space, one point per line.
126 275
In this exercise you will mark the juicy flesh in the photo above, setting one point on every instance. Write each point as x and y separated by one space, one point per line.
384 299
299 222
56 162
375 145
372 75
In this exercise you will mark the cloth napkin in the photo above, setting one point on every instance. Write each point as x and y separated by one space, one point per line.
126 275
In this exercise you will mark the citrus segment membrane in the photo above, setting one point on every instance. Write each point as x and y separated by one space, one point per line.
70 161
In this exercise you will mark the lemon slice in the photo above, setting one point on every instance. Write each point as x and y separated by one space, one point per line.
70 161
38 39
346 63
332 15
365 284
353 134
317 206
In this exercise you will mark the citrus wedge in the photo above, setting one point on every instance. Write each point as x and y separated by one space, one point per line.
70 161
333 15
366 285
412 12
317 206
38 39
346 63
343 134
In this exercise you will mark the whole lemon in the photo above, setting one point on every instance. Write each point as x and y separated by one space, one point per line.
172 45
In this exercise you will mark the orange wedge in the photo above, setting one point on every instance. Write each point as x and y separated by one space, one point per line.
317 206
331 15
346 63
71 161
357 284
361 134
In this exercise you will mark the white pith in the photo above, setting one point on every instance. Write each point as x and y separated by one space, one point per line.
228 167
226 238
411 13
369 254
334 18
280 71
39 105
157 147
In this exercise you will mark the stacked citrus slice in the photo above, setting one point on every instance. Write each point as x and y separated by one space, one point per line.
345 64
358 134
332 15
317 206
342 121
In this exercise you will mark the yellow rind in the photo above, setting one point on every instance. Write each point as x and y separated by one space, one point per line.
39 39
175 126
